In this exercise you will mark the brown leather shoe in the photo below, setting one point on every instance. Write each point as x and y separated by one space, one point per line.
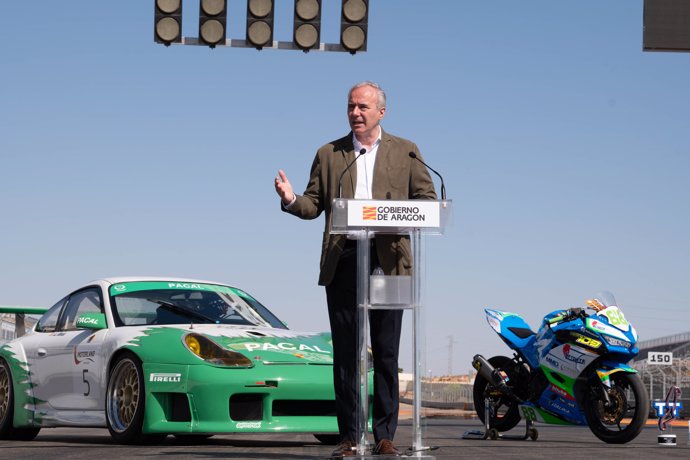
346 448
386 447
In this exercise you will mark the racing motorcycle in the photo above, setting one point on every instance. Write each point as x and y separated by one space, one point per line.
572 371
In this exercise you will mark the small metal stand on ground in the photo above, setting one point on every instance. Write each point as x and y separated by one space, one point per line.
492 433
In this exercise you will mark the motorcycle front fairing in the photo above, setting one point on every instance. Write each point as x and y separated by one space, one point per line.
618 334
620 338
567 348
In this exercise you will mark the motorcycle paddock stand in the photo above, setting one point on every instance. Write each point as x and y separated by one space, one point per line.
492 433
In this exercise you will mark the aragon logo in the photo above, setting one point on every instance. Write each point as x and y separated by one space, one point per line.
369 213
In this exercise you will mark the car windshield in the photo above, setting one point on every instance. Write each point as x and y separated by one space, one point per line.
157 302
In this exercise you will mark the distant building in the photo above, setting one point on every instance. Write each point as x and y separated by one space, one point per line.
8 326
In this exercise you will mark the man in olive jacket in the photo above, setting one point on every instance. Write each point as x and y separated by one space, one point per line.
382 168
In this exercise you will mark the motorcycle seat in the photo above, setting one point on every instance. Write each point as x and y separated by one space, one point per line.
521 332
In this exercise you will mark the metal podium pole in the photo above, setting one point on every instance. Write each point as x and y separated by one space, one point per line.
416 238
363 265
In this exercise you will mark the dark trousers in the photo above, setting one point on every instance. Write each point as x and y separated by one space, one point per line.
385 327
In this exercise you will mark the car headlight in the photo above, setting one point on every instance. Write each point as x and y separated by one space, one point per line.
212 353
617 342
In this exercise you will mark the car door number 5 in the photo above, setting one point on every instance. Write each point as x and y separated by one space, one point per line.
88 385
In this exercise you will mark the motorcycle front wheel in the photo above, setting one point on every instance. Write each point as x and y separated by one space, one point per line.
623 417
506 413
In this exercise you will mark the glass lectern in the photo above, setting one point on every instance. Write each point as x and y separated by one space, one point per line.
362 220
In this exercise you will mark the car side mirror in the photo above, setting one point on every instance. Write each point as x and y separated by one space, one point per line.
95 321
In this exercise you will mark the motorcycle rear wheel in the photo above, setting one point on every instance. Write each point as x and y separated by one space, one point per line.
506 410
623 419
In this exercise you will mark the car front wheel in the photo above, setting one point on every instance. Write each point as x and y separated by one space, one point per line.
125 402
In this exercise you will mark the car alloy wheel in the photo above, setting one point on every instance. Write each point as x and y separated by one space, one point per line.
124 402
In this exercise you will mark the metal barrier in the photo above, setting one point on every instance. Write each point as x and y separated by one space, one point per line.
443 395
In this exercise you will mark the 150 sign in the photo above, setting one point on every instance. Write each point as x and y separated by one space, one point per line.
660 357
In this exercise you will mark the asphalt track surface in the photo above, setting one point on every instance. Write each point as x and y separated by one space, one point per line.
445 434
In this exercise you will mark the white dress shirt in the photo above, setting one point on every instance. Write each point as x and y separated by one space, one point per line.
365 168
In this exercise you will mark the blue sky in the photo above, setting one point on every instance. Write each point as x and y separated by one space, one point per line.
563 145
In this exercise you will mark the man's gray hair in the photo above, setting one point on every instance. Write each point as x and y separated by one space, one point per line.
379 91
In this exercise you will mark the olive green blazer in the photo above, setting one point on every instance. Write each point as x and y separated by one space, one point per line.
396 177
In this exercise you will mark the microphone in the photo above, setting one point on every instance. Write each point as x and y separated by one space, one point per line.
340 180
443 186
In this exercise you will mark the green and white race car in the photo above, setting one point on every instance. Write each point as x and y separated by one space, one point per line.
148 357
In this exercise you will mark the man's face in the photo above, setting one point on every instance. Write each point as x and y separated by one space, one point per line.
362 112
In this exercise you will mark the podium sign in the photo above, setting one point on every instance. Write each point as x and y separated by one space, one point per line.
389 216
362 220
375 214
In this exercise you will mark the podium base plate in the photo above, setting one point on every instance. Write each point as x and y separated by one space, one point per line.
419 455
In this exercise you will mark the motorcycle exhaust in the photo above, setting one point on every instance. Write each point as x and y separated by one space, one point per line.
486 370
495 378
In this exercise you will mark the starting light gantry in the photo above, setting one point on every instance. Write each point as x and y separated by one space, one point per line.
354 16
